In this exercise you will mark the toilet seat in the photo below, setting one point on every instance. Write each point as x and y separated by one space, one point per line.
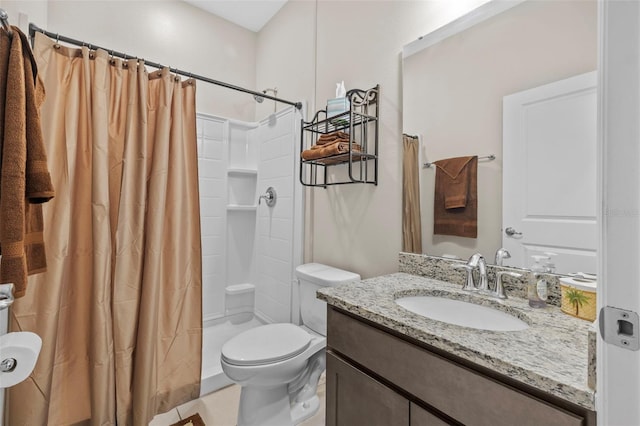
266 344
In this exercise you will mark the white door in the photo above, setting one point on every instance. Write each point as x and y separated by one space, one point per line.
619 213
549 174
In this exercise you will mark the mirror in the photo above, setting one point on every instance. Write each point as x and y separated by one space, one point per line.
453 90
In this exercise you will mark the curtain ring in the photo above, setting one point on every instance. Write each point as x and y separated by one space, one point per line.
57 45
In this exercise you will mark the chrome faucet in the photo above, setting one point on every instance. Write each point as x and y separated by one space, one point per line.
477 260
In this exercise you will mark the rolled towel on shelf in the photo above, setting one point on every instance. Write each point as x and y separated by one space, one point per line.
332 137
343 142
329 150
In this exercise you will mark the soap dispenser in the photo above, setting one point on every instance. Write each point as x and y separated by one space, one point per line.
537 285
549 265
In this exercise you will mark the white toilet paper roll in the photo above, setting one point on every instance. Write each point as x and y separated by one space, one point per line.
23 347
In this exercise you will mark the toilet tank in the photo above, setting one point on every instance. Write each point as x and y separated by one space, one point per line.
313 276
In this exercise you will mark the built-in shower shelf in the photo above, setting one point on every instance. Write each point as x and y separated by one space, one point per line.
240 207
249 172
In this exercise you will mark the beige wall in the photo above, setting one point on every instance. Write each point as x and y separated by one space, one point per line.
453 97
22 12
355 227
304 51
169 32
285 55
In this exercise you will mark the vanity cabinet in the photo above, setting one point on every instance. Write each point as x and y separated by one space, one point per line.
359 153
359 399
377 377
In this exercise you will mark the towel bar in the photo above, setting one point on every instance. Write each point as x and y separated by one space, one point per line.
486 157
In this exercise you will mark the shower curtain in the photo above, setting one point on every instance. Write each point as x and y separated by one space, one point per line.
411 222
119 309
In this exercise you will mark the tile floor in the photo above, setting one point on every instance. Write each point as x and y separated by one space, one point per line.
221 408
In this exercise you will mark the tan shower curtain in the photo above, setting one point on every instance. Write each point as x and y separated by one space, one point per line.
119 309
411 223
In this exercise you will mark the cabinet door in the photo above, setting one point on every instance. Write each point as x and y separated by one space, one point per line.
421 417
354 398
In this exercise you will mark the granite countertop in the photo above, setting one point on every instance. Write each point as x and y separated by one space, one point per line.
551 355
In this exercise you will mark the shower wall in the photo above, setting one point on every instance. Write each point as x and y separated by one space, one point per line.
279 230
242 241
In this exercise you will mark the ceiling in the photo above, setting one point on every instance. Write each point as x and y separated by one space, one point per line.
250 14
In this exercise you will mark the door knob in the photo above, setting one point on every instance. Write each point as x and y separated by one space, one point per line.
511 232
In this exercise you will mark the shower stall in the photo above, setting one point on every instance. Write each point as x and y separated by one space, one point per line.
250 248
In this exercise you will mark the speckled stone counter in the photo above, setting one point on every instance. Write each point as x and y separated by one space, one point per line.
551 355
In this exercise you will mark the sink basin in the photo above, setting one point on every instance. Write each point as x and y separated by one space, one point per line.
461 313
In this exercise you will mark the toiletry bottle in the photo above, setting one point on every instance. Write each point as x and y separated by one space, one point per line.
537 285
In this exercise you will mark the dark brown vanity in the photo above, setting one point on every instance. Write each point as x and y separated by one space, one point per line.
375 376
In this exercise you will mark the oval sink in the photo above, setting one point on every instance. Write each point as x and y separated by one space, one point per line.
461 313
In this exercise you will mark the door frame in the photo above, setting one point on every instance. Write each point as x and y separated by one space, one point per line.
618 370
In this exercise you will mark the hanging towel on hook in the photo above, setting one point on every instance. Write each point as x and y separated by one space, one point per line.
456 197
25 182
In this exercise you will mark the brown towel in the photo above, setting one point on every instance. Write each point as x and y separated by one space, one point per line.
456 197
24 178
333 137
329 150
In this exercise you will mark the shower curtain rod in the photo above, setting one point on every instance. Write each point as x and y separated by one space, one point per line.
34 28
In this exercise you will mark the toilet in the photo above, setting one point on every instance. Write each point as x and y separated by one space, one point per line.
279 365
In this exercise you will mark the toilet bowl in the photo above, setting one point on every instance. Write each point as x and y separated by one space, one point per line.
279 365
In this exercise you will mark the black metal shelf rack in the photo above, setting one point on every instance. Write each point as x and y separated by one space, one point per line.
361 123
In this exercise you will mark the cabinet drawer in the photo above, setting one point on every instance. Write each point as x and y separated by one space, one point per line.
457 391
354 398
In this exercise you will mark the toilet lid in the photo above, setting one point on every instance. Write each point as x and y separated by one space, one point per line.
266 344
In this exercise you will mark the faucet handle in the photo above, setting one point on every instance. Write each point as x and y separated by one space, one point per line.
500 293
469 285
269 197
501 254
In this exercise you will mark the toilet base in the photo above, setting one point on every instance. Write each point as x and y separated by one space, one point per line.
303 410
264 406
272 407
